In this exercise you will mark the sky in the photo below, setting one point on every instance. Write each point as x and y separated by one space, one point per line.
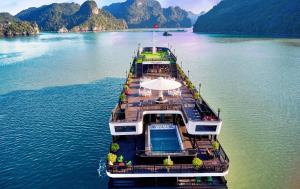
15 6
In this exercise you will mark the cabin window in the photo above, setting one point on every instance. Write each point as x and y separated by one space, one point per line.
206 128
119 129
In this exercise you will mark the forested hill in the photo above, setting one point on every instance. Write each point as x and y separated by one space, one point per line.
255 17
146 13
11 26
72 17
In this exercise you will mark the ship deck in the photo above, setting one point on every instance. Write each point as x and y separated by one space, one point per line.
132 148
135 103
183 111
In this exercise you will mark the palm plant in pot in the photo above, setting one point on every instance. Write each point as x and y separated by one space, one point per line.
120 159
129 80
122 97
216 147
168 163
111 158
130 74
126 89
114 147
197 95
197 163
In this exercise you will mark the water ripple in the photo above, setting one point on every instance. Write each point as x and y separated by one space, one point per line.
55 137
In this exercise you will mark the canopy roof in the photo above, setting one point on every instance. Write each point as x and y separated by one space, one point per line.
161 84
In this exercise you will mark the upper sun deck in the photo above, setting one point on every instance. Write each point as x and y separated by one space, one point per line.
135 101
139 100
161 54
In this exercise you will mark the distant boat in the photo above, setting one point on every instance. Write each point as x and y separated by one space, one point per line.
167 34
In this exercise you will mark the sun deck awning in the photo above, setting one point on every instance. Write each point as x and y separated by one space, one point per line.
161 84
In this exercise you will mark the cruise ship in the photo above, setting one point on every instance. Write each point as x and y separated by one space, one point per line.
164 134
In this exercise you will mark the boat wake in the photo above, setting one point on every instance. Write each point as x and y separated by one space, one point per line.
102 168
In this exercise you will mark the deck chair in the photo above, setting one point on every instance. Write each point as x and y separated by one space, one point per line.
209 180
129 164
198 180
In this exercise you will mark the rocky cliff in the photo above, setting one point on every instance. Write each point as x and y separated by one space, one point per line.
146 13
255 17
65 17
11 26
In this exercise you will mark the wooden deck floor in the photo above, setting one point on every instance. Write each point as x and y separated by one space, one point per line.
137 103
128 150
208 166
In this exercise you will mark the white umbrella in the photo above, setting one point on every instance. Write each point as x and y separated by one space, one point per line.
161 84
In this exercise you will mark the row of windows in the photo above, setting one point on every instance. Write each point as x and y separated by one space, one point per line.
206 128
119 129
199 128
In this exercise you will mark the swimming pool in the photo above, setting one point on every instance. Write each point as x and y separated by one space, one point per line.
164 139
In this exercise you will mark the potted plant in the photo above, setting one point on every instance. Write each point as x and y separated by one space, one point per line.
197 163
111 158
168 163
189 83
191 86
216 145
126 87
120 159
182 76
114 147
122 97
129 164
129 80
197 95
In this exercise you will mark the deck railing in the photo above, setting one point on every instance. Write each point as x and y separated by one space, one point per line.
118 116
185 116
204 110
163 58
186 152
167 106
223 155
173 57
177 168
145 105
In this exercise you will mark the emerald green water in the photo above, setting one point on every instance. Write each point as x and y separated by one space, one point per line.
255 82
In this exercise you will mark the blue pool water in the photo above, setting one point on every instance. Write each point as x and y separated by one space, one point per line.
164 140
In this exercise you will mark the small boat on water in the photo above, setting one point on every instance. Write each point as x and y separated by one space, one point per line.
166 33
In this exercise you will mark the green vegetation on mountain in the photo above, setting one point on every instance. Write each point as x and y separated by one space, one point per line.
6 17
49 17
146 13
70 16
11 26
255 17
